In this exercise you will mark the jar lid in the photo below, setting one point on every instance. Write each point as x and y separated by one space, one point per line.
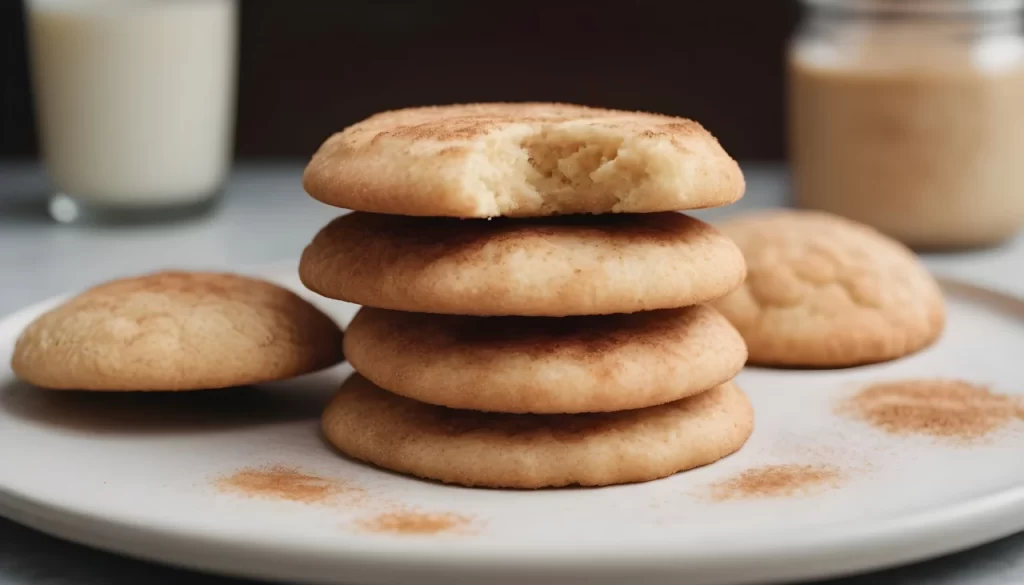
950 7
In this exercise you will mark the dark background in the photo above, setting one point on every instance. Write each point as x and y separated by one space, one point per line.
309 67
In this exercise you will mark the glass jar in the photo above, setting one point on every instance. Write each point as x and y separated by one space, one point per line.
908 115
135 104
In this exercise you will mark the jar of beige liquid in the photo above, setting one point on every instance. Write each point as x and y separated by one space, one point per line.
135 104
908 115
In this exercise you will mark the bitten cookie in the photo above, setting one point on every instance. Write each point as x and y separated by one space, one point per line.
176 331
568 265
522 160
546 364
534 451
823 291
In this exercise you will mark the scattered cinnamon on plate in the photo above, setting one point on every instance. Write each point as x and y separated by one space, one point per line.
942 408
777 481
411 522
285 483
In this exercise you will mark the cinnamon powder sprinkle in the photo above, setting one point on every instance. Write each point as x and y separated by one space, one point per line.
777 481
409 522
284 483
946 409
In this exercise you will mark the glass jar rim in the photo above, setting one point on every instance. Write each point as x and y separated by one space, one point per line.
922 7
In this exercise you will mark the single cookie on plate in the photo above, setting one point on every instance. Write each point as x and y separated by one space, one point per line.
522 160
546 364
536 450
176 331
558 266
824 291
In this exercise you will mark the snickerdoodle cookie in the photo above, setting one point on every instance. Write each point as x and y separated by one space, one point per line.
522 160
176 331
545 364
535 450
824 291
556 266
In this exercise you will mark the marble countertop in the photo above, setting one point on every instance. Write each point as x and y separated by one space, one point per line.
266 218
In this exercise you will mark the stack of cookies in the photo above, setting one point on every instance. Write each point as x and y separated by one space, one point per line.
534 309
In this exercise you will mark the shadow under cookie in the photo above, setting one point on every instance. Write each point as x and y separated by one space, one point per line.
155 413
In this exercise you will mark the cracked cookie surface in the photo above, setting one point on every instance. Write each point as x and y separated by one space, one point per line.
541 267
824 291
176 331
522 160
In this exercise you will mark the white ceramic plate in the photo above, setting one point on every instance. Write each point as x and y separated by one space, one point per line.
137 475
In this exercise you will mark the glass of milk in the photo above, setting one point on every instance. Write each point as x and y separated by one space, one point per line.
135 104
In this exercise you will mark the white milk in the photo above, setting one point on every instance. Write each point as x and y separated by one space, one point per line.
135 99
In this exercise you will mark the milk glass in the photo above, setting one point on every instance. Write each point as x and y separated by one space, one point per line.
135 104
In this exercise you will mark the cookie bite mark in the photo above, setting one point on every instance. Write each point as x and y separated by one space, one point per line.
522 160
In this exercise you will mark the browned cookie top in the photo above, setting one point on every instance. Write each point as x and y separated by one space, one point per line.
176 330
522 159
